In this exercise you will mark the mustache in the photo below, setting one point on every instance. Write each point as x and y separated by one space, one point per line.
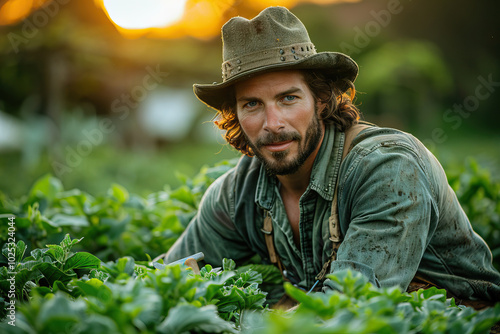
271 138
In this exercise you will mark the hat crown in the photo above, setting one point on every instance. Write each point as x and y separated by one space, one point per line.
273 27
273 40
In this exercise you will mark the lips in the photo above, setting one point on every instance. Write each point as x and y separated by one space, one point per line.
280 146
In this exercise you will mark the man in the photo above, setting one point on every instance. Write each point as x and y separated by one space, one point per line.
308 201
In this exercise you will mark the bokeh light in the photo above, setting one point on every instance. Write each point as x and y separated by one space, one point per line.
13 11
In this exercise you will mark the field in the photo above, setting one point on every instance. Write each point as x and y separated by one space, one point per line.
81 263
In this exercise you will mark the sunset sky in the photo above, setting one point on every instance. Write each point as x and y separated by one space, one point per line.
159 18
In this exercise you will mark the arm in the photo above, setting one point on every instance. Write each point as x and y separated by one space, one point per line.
387 213
212 231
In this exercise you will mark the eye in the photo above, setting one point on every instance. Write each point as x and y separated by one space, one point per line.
250 105
289 98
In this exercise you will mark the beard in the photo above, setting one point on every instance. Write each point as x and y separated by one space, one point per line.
279 165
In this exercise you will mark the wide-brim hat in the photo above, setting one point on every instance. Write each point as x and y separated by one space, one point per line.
273 40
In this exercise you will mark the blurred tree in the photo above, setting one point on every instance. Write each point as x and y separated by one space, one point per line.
68 53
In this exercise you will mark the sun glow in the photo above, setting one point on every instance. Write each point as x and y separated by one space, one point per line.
133 14
201 19
12 11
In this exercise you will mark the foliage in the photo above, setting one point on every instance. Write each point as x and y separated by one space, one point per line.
115 225
49 268
103 289
126 297
480 199
357 307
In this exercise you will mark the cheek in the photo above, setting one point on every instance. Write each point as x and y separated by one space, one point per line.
250 124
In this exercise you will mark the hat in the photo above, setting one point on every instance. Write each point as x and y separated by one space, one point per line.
273 40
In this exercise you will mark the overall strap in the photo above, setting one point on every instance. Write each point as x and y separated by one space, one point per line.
268 235
333 221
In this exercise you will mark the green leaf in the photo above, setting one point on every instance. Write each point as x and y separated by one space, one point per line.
189 318
228 264
126 265
97 323
59 312
61 220
184 195
56 252
95 288
81 260
11 248
20 249
51 273
67 242
270 273
47 186
119 193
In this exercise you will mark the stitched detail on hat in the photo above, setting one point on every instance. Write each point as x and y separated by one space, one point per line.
279 55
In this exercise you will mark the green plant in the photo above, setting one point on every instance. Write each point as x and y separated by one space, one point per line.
115 225
479 196
126 297
49 268
63 286
356 306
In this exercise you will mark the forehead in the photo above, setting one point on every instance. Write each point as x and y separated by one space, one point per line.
271 81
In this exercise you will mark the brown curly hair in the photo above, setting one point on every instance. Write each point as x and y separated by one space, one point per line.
339 111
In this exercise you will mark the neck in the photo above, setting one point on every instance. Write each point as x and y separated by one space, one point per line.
296 184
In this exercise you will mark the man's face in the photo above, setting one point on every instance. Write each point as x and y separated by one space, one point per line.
279 117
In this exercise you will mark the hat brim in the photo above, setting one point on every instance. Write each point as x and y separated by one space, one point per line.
334 65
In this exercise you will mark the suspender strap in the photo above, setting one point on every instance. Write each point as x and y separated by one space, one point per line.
268 235
333 221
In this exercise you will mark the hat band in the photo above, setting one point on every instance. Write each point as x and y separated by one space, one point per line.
279 55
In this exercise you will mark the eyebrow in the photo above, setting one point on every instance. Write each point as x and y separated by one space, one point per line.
292 90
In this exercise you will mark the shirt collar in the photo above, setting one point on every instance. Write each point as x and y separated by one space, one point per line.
323 175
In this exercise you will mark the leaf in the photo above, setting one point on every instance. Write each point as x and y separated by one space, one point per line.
95 288
97 323
184 195
270 273
60 220
11 248
59 312
119 193
228 264
56 252
100 275
67 242
47 186
82 260
126 265
189 318
51 273
20 249
37 254
145 305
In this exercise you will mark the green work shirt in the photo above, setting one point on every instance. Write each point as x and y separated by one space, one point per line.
398 218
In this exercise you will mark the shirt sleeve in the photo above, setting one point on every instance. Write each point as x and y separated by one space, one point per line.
386 211
212 231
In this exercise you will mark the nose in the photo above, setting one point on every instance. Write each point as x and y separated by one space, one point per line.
274 121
